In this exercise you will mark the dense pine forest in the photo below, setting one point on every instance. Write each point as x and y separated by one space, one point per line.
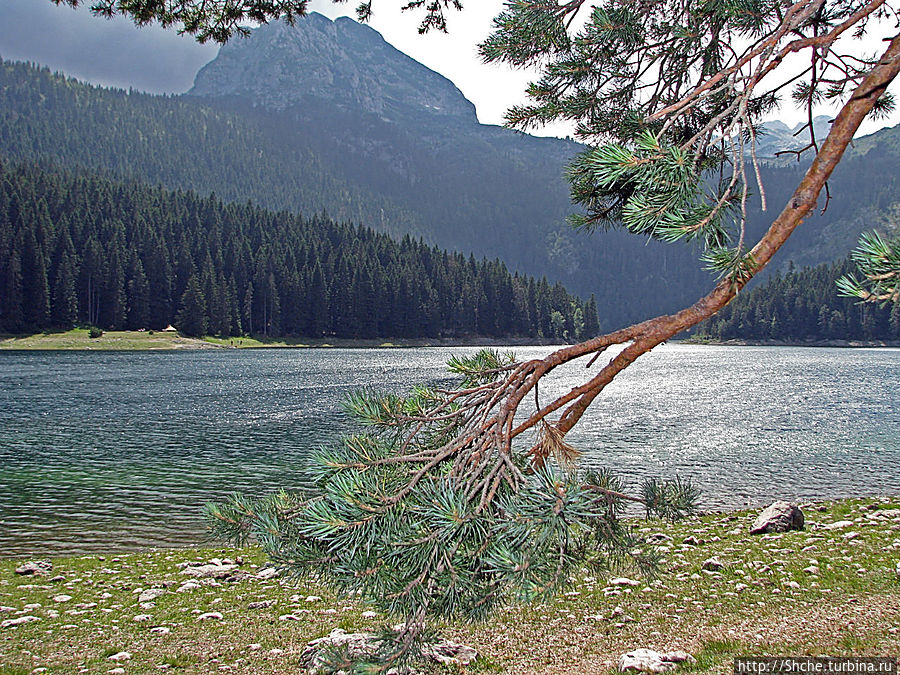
483 189
79 249
803 305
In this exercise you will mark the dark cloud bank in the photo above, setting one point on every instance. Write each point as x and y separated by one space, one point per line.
108 52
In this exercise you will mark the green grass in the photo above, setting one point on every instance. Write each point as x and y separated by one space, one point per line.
852 607
78 338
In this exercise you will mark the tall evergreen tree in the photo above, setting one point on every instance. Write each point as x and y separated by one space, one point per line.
65 294
35 286
191 318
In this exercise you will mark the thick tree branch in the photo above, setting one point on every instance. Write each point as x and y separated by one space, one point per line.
649 334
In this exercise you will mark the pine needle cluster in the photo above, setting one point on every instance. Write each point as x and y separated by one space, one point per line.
878 262
410 518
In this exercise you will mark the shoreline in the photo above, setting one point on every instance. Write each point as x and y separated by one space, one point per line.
735 342
79 340
830 589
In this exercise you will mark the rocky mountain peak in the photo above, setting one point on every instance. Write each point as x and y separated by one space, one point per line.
339 63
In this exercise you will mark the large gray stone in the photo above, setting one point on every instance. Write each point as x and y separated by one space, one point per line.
210 571
778 517
36 567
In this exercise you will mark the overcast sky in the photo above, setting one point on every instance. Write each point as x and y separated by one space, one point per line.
116 53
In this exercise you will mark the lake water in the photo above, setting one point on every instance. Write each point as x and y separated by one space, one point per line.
103 450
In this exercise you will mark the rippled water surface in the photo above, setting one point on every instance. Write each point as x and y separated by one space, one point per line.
107 449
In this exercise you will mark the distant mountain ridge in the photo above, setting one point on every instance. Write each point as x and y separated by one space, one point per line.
291 119
342 63
779 137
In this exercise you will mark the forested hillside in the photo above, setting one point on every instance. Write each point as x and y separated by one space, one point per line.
77 248
803 305
489 191
285 119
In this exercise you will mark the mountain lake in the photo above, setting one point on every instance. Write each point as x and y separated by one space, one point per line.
105 451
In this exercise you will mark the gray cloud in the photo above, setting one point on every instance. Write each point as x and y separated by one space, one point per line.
107 52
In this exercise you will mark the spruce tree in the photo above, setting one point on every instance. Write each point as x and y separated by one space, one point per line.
191 319
64 312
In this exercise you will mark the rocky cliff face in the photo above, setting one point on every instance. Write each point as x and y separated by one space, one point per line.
339 63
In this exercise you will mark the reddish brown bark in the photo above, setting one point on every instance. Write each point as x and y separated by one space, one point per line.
648 334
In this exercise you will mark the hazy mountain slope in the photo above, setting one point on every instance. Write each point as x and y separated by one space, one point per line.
327 116
342 63
491 191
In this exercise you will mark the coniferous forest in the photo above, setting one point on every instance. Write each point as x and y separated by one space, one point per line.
804 305
76 248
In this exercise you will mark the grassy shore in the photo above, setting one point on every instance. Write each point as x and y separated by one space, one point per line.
80 339
704 340
766 601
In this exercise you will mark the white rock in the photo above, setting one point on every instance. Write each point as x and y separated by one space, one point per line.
369 614
62 597
623 581
188 586
288 617
312 598
10 623
839 525
650 661
121 656
267 573
211 571
210 615
254 646
713 564
116 671
141 618
161 630
151 594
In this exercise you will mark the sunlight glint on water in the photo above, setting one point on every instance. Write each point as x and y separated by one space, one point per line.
103 449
